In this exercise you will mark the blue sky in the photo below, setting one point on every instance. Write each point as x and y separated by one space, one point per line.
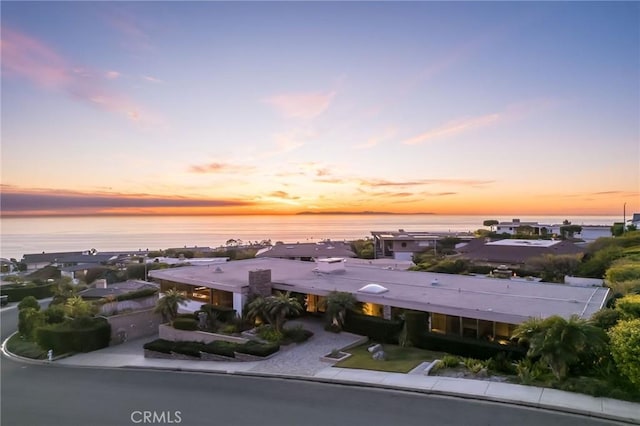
282 107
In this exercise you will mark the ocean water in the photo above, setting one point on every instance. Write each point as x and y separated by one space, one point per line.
52 234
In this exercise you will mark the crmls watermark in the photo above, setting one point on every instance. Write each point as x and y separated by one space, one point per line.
156 417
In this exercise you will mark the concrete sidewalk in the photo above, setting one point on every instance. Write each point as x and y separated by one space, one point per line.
130 355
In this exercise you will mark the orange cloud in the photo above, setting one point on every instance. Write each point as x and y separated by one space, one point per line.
216 167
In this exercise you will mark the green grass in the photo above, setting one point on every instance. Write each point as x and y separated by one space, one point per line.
16 345
399 359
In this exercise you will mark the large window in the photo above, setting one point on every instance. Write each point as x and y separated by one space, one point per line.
439 323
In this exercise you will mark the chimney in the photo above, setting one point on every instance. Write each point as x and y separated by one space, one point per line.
260 282
102 283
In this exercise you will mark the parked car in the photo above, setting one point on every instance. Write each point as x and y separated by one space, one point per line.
4 300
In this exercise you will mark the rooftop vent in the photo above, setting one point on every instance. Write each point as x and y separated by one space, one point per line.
373 289
218 270
435 282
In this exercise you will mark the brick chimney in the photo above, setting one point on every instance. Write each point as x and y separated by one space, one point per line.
260 282
102 283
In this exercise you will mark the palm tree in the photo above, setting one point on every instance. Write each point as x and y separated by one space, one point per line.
76 307
280 306
337 304
558 342
258 308
168 305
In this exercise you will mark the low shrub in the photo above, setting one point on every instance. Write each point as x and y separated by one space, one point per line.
187 315
266 332
29 320
473 365
29 302
54 314
188 324
333 328
258 349
228 329
501 363
138 294
188 348
529 371
296 335
159 345
223 313
220 347
450 361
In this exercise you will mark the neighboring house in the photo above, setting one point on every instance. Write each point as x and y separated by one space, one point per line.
514 253
104 290
468 306
308 251
6 266
635 220
588 232
129 319
402 245
88 260
511 228
35 261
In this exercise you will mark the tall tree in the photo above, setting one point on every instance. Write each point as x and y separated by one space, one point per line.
490 223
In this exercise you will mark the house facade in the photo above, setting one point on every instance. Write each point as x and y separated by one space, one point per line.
402 245
467 306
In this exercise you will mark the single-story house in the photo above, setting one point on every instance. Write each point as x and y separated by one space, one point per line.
514 253
402 245
307 251
35 261
468 306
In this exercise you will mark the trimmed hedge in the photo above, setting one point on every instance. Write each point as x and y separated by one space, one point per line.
223 313
17 292
188 348
416 323
220 347
376 328
75 336
258 349
188 324
159 345
138 294
470 348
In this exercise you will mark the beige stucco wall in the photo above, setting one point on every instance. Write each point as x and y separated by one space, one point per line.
133 325
169 333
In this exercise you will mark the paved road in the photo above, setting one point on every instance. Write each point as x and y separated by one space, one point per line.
54 395
49 395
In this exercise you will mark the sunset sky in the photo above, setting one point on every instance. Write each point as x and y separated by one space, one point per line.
245 108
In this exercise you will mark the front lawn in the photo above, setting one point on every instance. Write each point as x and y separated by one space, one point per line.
17 346
398 359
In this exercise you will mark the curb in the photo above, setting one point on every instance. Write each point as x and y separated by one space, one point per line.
352 383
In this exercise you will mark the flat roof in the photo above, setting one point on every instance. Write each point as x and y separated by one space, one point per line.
511 301
524 243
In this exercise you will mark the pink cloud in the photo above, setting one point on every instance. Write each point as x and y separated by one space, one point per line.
453 128
26 57
301 105
152 79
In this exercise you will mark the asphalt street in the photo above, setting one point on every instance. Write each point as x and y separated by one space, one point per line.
34 394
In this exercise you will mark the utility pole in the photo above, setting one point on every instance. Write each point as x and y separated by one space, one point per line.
624 217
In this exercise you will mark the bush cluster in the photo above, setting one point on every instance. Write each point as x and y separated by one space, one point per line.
82 335
218 347
17 292
188 324
376 328
466 347
222 313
